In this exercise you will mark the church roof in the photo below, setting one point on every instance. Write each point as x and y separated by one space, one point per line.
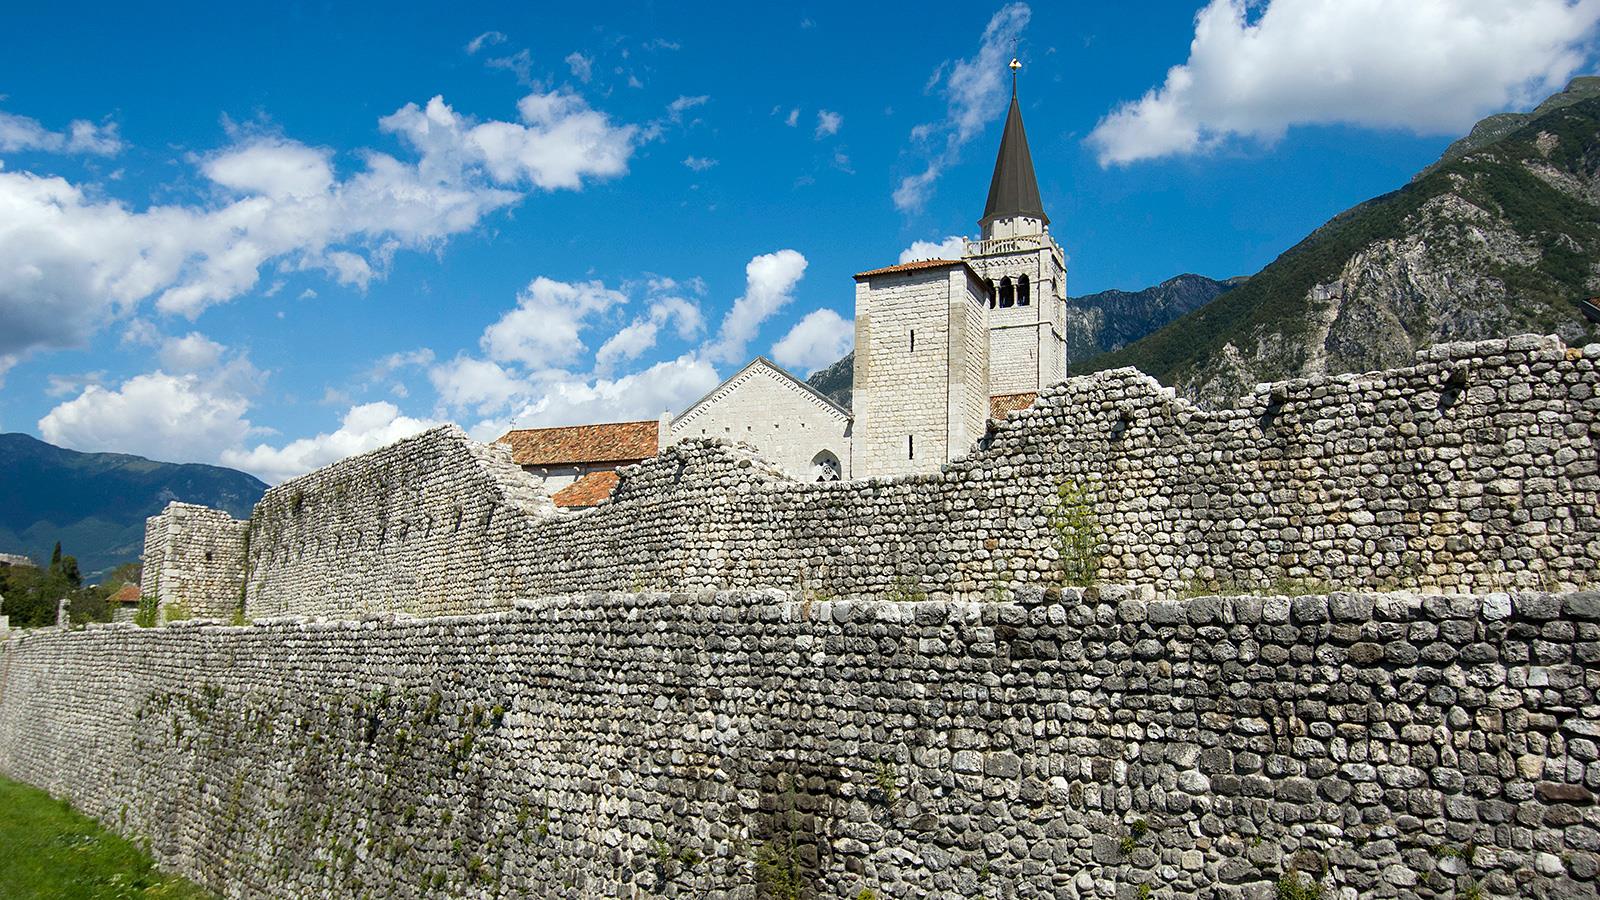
915 265
617 442
1000 404
588 490
1013 191
128 593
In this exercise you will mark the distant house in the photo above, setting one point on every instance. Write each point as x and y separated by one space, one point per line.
125 603
16 559
578 463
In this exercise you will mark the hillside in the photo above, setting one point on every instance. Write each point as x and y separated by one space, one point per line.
95 504
1096 323
1504 238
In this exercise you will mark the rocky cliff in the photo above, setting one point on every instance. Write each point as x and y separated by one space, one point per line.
1499 238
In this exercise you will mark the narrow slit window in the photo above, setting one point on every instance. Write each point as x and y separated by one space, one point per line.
911 447
913 340
990 283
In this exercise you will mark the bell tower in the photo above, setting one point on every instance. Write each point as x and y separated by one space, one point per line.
1023 270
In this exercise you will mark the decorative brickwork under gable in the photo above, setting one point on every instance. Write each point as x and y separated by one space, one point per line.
587 491
611 442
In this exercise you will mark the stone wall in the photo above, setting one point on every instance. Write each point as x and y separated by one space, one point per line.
427 524
193 562
1041 745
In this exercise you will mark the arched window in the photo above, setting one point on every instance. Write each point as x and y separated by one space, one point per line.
1022 290
990 283
825 466
1007 298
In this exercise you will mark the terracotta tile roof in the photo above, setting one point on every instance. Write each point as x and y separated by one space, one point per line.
618 442
587 491
1000 404
128 593
913 266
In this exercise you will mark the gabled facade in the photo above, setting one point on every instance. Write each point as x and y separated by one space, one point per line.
786 420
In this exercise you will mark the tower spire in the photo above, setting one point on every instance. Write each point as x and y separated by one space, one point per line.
1014 190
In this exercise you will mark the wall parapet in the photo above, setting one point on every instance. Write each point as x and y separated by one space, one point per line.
1401 744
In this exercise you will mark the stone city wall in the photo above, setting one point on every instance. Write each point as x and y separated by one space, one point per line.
1475 469
1053 744
427 524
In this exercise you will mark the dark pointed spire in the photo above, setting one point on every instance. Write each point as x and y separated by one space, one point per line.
1014 191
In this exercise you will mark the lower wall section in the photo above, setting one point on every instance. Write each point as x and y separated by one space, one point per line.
748 745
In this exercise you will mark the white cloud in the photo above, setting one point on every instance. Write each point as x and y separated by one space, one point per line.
193 352
176 418
975 91
827 123
480 384
632 341
793 118
951 247
582 66
678 107
699 163
544 329
821 338
770 280
560 142
487 39
1426 66
20 133
71 260
365 427
666 386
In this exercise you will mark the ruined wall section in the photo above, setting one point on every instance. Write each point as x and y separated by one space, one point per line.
434 524
1474 469
1040 745
193 561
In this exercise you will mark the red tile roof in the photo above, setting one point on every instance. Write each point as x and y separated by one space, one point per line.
128 593
587 491
1000 404
613 442
912 267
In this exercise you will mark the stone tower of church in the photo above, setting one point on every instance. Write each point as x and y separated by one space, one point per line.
1024 270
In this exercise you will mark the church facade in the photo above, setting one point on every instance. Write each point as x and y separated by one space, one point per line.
941 347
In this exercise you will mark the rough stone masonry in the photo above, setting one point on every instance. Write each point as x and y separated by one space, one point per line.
496 701
1048 744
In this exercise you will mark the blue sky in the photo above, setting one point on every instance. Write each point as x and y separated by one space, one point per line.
270 238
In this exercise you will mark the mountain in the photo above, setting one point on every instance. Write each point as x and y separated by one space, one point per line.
95 504
1501 238
1110 320
1096 323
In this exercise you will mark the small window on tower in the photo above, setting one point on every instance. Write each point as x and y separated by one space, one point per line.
911 448
1007 297
1022 290
913 340
990 283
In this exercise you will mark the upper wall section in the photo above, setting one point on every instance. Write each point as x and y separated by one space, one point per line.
1475 468
432 524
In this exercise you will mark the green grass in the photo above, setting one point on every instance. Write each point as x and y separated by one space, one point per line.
47 849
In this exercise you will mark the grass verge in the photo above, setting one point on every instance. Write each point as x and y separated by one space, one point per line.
48 849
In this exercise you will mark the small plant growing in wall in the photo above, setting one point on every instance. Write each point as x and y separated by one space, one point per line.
1077 534
147 613
176 612
1294 885
905 591
886 782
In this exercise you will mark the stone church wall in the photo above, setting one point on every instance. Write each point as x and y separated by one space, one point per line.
434 524
777 417
1037 745
194 561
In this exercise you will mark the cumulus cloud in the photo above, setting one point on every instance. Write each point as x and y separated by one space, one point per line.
827 123
544 328
71 260
632 341
770 280
20 133
560 142
176 418
951 247
975 91
1426 66
194 352
582 66
365 427
469 383
821 338
666 386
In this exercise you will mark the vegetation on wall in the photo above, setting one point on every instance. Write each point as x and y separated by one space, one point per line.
32 594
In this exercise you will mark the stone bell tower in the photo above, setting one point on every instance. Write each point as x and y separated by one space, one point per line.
1023 269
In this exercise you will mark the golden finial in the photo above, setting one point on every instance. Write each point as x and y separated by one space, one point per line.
1015 65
